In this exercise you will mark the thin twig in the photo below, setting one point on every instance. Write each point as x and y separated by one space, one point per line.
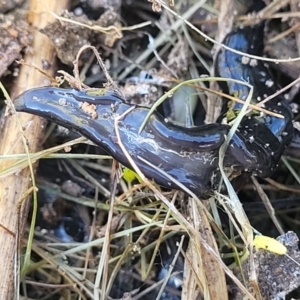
267 204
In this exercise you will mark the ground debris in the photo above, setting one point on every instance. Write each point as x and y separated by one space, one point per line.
7 5
89 109
15 35
107 4
69 37
278 275
178 59
142 94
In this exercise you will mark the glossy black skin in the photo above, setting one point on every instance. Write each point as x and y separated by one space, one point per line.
189 155
266 129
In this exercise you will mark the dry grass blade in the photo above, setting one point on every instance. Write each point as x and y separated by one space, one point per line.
133 224
210 276
22 159
267 204
208 38
187 226
14 186
191 82
167 277
176 214
161 39
235 204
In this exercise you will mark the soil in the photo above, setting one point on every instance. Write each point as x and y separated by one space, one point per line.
100 236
